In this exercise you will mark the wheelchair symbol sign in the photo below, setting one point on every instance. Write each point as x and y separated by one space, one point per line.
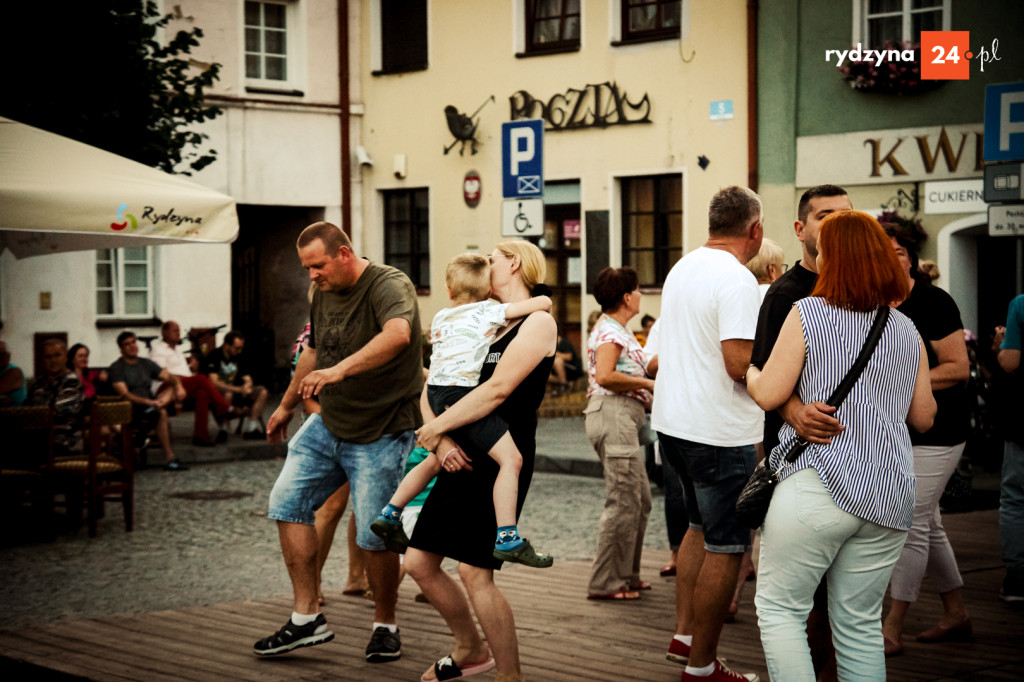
522 218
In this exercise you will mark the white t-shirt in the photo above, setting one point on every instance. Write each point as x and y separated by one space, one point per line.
170 358
460 337
708 297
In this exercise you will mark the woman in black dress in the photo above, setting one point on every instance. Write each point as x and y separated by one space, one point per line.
458 520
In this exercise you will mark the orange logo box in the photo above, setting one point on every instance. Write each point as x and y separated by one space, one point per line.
945 55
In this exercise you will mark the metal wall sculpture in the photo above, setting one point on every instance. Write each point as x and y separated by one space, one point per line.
463 127
595 106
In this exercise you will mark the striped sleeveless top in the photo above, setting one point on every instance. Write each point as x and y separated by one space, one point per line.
868 468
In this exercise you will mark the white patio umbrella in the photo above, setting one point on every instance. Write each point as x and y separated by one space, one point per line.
57 195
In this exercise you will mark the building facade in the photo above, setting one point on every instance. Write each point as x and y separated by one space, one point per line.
894 141
645 115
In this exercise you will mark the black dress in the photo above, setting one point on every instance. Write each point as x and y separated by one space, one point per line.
458 519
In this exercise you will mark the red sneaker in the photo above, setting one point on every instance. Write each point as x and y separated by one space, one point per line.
720 674
678 652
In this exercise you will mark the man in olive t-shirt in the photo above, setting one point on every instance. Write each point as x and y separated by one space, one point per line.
364 363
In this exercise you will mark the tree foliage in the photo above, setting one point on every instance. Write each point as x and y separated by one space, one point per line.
107 73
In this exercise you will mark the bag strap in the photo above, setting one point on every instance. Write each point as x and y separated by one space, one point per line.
846 385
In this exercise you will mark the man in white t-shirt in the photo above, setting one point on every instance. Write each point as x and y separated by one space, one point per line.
707 424
168 355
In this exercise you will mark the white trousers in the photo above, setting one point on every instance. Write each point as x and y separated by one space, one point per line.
807 536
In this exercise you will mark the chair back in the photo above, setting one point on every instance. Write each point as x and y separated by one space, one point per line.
111 413
27 435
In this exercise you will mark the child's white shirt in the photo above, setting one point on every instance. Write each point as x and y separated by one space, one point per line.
460 337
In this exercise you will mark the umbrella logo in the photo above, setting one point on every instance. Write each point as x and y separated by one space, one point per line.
121 215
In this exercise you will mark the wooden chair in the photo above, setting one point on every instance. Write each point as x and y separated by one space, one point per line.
26 463
104 476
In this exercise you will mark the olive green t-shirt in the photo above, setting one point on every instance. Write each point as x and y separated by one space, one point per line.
384 400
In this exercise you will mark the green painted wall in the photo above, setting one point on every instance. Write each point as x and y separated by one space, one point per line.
801 94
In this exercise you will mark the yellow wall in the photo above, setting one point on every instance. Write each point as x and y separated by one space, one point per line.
471 57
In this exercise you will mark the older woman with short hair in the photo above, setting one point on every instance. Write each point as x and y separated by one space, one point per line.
619 390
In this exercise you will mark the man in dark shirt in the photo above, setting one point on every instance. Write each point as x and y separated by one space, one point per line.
132 378
228 373
60 389
811 421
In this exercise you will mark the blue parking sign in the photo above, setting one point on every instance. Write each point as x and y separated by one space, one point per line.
1004 122
522 158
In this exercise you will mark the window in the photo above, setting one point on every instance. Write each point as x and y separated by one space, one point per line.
652 226
552 25
124 282
266 41
274 46
403 36
650 19
407 234
900 21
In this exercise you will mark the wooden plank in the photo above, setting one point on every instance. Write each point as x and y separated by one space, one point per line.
562 635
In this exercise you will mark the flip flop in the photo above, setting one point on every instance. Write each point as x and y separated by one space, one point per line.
447 669
621 595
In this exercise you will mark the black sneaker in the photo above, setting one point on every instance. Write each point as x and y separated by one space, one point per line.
175 465
384 646
392 534
293 636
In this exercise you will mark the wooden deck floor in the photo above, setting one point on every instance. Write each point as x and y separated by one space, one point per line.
562 635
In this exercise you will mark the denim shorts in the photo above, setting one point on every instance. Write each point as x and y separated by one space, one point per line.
712 478
319 463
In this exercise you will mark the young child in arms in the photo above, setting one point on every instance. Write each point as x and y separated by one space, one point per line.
461 336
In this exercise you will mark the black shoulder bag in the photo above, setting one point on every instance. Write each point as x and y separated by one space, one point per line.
752 504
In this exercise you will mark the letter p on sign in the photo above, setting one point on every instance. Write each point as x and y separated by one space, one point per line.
522 158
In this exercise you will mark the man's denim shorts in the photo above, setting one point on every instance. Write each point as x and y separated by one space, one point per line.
712 478
319 463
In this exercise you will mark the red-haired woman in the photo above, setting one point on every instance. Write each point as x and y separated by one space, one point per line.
842 509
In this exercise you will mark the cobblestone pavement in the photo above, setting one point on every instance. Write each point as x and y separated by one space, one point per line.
193 552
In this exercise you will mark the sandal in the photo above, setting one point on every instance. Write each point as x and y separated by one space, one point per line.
621 595
447 669
524 554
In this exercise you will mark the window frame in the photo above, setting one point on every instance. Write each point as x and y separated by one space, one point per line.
294 53
116 263
377 65
627 37
530 49
417 250
861 18
665 256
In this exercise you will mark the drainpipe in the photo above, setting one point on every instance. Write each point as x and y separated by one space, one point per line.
752 142
344 104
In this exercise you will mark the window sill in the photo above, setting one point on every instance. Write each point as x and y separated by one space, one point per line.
109 322
285 92
392 72
638 40
543 52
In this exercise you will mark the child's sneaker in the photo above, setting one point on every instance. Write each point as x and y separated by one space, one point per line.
391 533
524 554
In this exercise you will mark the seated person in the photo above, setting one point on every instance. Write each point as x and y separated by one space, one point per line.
60 389
94 381
12 380
567 366
167 353
132 378
229 375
